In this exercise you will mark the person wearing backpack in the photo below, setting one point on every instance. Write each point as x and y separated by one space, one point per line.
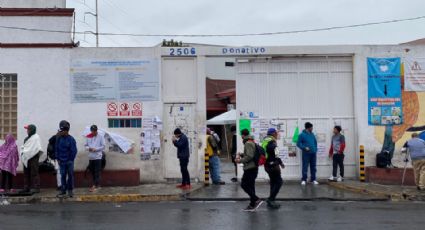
212 150
51 153
250 170
308 144
336 152
66 151
272 166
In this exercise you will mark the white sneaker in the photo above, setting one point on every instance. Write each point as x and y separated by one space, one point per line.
303 182
315 182
340 179
331 178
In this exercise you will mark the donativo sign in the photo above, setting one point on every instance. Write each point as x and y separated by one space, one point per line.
114 80
243 50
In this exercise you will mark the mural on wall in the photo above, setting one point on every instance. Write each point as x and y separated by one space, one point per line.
393 137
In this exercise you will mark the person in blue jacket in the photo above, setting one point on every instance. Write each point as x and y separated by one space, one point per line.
66 151
308 144
182 144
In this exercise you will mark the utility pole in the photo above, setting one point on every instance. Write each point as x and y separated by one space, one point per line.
97 25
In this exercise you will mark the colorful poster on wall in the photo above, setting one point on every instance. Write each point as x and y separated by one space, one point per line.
414 74
384 91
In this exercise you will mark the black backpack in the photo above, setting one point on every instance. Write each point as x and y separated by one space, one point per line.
51 148
259 156
383 159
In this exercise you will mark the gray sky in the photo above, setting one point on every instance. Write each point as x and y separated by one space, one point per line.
251 16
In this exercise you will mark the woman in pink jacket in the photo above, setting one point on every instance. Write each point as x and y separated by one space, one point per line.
9 159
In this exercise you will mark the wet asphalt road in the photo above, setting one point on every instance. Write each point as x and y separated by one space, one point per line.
214 215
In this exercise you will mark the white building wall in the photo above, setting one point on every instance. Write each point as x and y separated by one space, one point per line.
215 68
32 3
37 22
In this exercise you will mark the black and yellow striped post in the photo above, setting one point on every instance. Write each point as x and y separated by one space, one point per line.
207 169
362 167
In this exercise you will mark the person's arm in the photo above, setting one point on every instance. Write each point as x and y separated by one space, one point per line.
73 148
342 145
300 142
249 153
101 146
331 150
57 148
212 142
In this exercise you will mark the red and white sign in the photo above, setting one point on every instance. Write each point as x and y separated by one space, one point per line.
136 109
124 109
112 109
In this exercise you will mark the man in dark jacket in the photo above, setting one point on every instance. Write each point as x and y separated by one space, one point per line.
66 151
182 143
272 166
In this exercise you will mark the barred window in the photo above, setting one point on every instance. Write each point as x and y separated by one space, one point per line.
124 123
8 104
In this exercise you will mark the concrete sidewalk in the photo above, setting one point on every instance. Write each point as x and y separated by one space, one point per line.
290 191
392 192
149 192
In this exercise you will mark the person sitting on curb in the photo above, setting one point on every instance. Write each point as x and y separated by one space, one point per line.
416 147
212 150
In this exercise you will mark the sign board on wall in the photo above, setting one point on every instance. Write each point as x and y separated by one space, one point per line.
106 80
384 90
124 109
414 74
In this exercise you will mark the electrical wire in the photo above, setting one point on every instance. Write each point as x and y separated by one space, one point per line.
224 35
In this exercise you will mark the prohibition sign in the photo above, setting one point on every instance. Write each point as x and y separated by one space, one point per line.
112 109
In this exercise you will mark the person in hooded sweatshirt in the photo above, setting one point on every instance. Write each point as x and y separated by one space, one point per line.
66 151
9 159
30 154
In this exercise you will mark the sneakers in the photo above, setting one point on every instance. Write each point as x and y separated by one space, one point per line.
332 178
187 187
303 182
234 179
93 189
2 191
315 182
70 194
61 195
272 204
340 179
219 183
251 208
180 186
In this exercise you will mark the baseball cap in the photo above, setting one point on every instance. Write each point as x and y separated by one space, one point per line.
270 131
93 128
64 126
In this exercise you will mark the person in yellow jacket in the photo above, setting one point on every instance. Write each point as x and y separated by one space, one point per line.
212 150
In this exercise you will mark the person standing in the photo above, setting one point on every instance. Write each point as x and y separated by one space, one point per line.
212 150
30 154
250 170
272 166
66 151
9 158
95 145
308 144
416 147
181 142
51 153
336 152
233 152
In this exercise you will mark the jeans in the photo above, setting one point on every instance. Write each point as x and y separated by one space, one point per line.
67 175
215 169
95 167
31 176
248 184
309 159
338 161
185 173
275 180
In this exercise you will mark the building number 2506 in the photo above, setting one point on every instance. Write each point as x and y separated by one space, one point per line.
182 51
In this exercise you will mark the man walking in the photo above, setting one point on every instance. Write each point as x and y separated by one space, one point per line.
272 166
95 145
308 144
66 151
250 170
182 143
212 150
336 152
416 147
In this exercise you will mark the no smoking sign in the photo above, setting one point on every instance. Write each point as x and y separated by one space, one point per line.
112 109
136 109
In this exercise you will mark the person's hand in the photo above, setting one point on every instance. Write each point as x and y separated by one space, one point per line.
307 149
174 139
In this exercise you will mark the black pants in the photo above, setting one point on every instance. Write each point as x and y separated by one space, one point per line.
248 184
184 171
95 168
338 160
6 180
275 180
31 176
